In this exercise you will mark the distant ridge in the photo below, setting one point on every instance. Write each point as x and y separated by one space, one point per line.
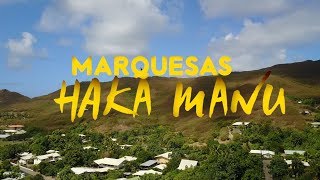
7 97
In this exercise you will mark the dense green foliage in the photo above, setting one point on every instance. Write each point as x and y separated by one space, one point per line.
216 161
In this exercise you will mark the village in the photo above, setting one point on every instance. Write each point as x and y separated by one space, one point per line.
155 151
27 161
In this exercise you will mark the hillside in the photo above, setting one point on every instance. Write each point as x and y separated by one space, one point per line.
299 80
7 97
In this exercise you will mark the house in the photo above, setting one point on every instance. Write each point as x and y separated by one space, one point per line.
148 164
113 139
14 131
51 151
163 158
90 147
305 112
299 102
264 153
125 146
51 157
16 127
185 163
143 172
291 152
81 170
4 136
161 166
239 124
26 158
306 164
129 158
315 124
110 162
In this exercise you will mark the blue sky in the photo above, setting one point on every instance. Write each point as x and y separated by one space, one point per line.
38 38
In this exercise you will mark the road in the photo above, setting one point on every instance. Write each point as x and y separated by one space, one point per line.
32 172
267 175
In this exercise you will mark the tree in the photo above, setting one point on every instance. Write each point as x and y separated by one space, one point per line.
278 167
297 167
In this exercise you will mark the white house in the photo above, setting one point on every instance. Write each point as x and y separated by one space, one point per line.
315 124
161 166
26 158
185 163
110 162
237 124
90 147
52 157
129 158
306 164
143 172
291 152
163 158
264 153
4 136
81 170
123 146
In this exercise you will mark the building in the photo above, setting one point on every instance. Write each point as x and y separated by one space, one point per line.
81 170
148 164
305 112
16 126
143 172
14 131
51 157
315 124
265 153
239 124
291 152
26 158
90 147
289 162
163 158
185 163
110 162
124 146
4 136
161 166
129 158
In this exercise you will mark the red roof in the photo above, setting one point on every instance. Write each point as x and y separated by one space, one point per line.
16 126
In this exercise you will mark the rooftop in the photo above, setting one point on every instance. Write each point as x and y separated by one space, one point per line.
47 156
161 166
166 155
290 152
262 152
289 162
185 163
81 170
143 172
129 158
109 161
240 123
16 126
149 163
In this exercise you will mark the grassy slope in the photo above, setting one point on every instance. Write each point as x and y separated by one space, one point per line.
298 79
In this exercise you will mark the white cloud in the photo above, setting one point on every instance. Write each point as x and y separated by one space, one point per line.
265 43
108 27
244 8
22 49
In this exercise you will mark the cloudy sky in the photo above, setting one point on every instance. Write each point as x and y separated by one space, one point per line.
38 38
